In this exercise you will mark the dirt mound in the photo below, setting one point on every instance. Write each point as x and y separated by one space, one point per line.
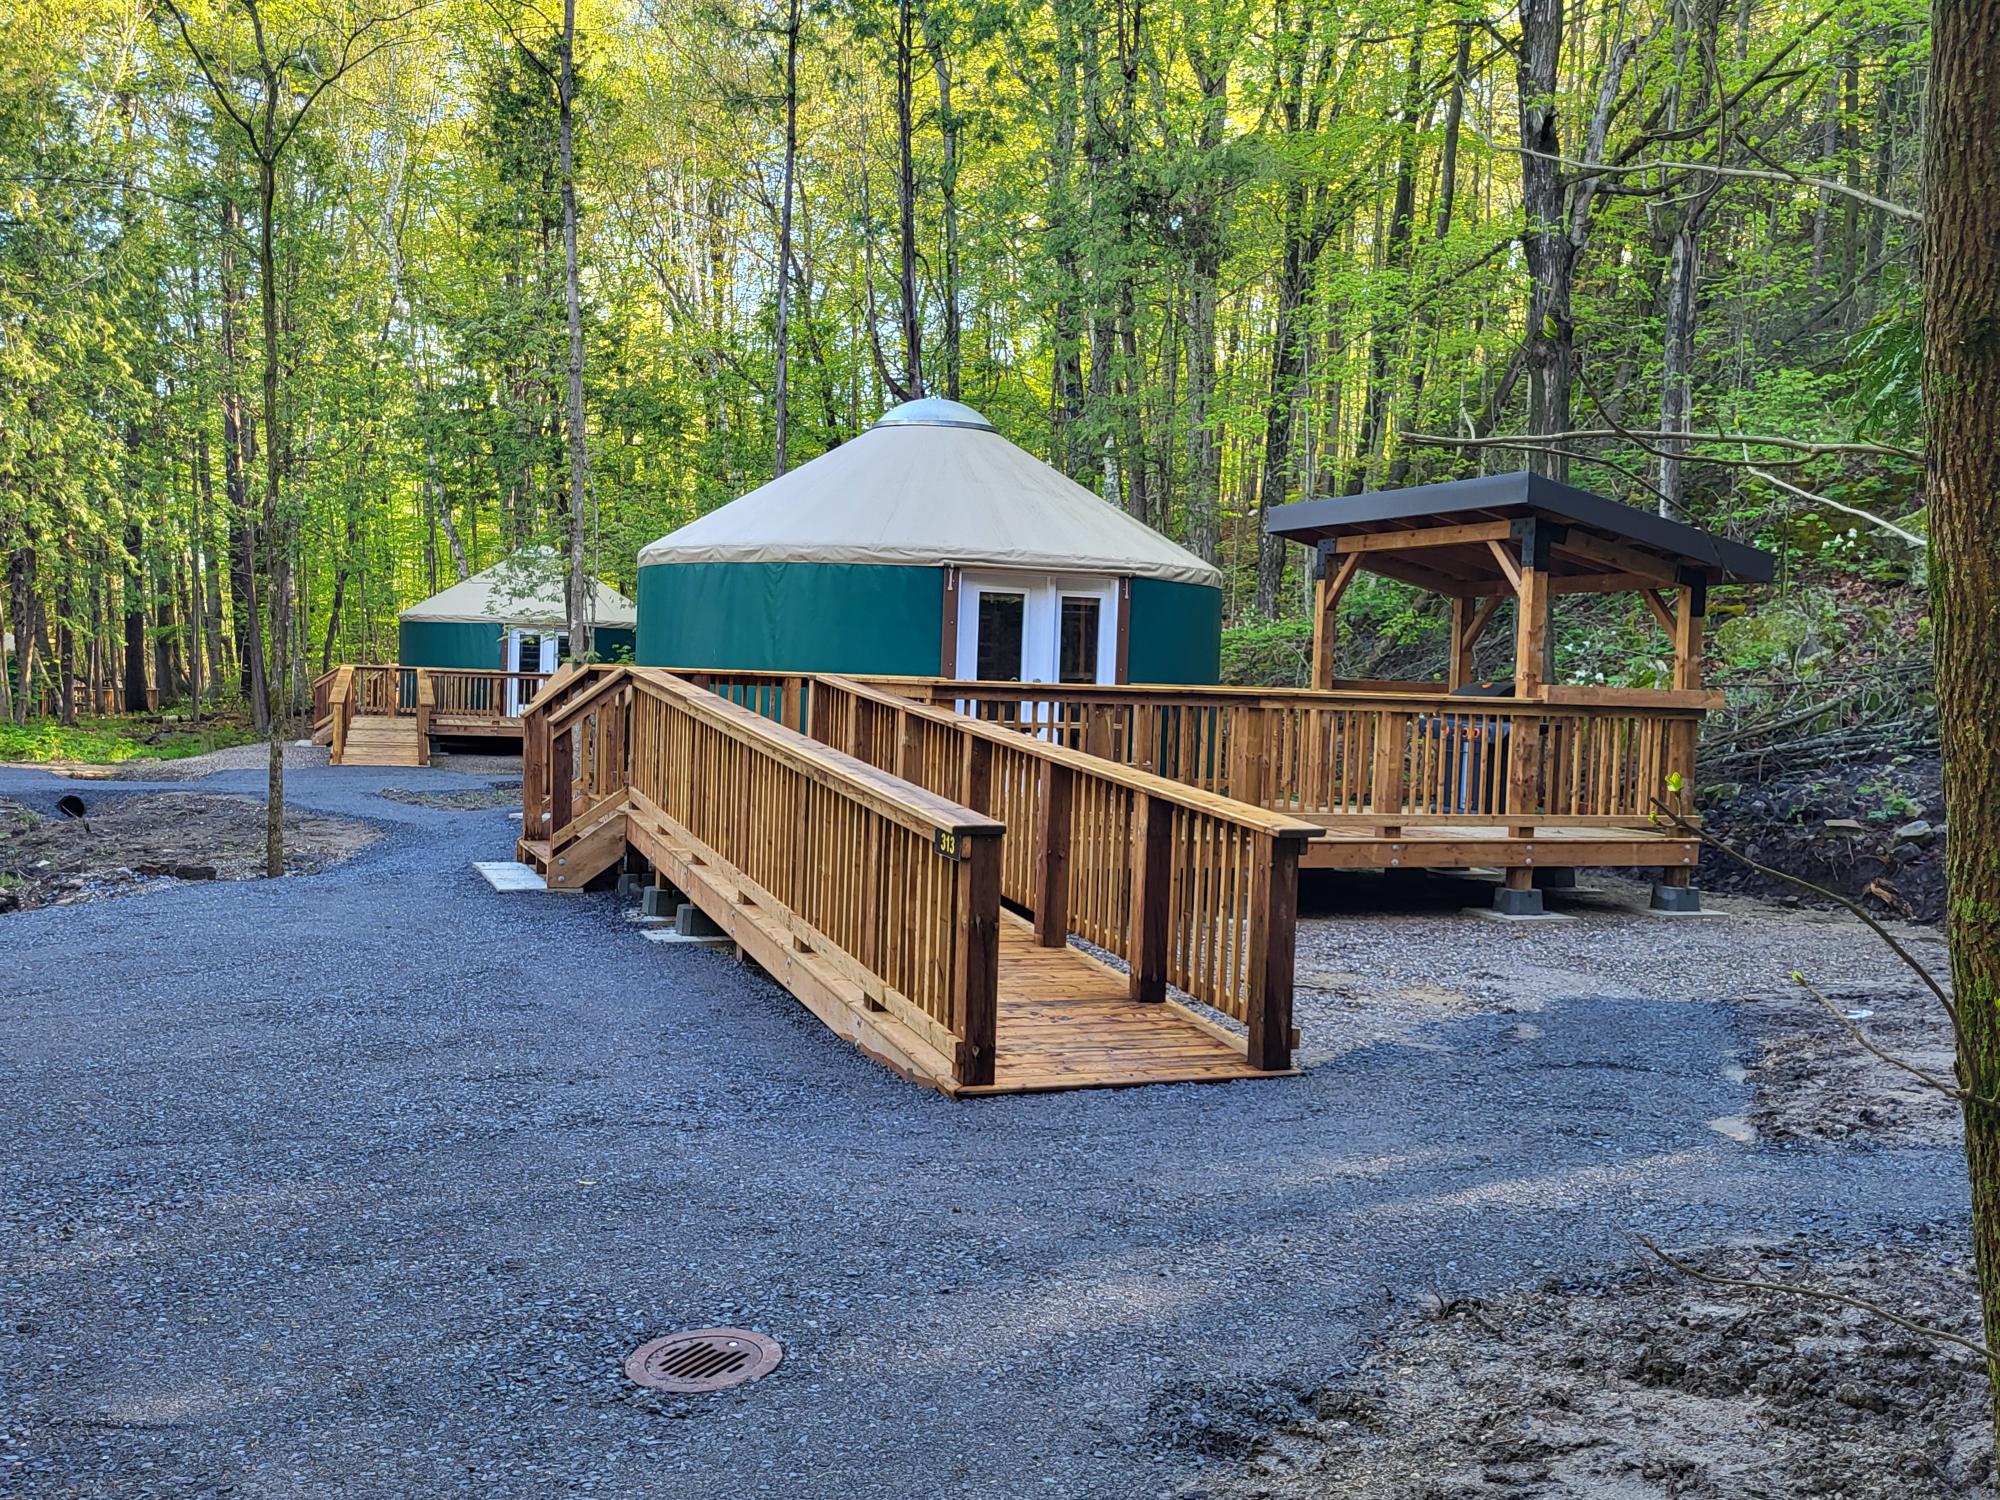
1874 833
1653 1385
133 843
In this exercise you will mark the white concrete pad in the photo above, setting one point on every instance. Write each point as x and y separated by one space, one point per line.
668 935
1487 913
510 875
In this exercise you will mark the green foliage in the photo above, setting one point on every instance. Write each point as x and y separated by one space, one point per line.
111 741
1268 653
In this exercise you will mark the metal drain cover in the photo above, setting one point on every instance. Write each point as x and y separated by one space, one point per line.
702 1359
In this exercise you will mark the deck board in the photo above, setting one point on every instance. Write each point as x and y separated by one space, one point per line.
1357 844
1065 1023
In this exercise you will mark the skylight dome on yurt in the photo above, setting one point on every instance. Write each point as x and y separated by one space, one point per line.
930 545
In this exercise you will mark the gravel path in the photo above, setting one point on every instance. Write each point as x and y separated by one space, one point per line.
362 1184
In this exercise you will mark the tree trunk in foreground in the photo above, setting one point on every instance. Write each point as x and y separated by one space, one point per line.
579 457
1962 389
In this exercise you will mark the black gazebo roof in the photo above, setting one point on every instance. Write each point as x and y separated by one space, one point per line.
1687 551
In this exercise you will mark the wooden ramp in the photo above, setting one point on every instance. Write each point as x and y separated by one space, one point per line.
953 944
1067 1022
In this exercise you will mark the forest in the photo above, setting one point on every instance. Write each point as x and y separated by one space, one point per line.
310 307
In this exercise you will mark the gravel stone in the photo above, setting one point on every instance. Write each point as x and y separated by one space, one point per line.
364 1183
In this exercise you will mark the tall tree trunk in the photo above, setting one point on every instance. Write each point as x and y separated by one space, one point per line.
940 46
1207 215
781 363
1447 199
579 458
1962 389
1696 23
134 605
1551 255
238 455
276 532
1391 318
906 206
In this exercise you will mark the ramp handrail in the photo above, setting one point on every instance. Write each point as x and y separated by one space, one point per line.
1191 889
897 887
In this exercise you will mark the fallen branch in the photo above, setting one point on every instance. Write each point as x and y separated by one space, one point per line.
1820 1294
1602 434
1930 1080
1812 499
1823 184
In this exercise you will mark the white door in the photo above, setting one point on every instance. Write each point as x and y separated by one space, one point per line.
530 651
1037 627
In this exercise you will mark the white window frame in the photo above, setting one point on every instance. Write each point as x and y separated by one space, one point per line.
1041 623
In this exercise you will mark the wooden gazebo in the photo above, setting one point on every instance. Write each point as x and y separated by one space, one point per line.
1520 537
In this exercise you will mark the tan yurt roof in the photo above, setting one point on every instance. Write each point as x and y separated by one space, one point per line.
522 590
931 484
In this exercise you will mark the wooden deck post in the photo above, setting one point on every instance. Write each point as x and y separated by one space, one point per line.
426 701
534 773
1051 871
975 980
1249 737
978 774
909 748
1152 893
562 772
1386 788
1274 896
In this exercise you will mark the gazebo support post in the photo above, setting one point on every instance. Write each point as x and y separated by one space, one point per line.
1689 622
1531 625
1331 579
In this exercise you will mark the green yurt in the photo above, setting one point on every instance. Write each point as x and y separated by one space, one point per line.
930 546
511 618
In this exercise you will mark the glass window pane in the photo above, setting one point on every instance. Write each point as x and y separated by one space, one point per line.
1001 620
1079 639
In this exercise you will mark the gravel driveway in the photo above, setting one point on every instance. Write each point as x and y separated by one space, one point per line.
362 1184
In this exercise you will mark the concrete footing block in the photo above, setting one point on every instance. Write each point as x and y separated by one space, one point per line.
1512 903
692 922
630 883
660 901
1676 900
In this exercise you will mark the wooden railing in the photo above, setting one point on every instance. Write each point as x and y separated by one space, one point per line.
1188 888
339 709
1387 758
894 888
385 689
563 691
322 695
469 694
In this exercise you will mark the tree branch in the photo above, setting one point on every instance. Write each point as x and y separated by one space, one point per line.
1820 1294
1599 434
